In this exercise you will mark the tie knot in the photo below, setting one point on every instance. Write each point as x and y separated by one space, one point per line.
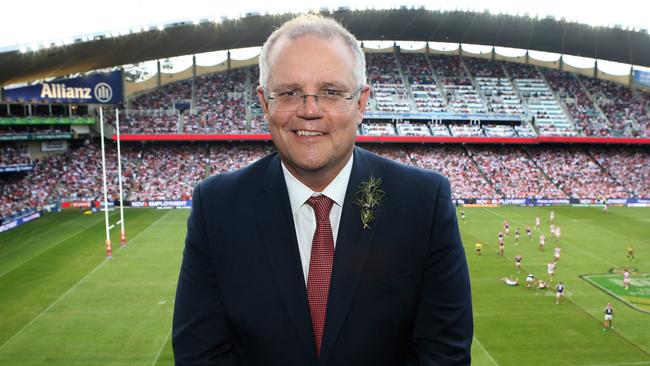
322 206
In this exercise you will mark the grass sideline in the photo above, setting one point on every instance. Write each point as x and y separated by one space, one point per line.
63 303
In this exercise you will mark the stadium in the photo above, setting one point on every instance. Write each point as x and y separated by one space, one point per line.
497 103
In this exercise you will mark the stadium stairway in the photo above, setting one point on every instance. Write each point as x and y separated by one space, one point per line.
530 156
436 78
485 176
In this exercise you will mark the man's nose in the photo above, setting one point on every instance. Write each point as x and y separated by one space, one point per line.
310 107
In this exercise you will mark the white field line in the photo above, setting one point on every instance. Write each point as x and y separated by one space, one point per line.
72 289
39 253
161 348
486 351
586 252
617 364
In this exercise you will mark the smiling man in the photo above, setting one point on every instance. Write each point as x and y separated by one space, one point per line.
322 253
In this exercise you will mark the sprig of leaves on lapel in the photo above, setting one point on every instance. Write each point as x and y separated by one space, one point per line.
368 198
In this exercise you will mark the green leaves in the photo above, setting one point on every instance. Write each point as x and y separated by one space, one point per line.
368 198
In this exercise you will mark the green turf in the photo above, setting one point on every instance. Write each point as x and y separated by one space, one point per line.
637 295
63 303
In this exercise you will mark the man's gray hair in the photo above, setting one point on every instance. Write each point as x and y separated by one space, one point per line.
319 26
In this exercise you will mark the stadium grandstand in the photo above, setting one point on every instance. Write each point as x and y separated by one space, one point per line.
538 116
498 126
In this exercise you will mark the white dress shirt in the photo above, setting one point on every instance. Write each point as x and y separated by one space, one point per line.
304 218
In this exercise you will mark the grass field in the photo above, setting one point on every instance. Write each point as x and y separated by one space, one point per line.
63 303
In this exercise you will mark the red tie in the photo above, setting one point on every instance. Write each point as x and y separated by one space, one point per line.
320 266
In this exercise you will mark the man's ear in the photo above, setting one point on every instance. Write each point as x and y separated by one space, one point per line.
364 94
263 102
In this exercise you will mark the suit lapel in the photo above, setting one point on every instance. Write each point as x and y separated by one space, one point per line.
352 246
275 222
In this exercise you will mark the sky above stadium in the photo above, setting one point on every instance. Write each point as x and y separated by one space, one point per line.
39 21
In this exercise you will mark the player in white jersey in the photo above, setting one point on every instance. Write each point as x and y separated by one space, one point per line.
626 279
556 253
551 217
609 314
541 285
509 281
542 242
530 279
552 229
550 269
559 292
538 223
557 233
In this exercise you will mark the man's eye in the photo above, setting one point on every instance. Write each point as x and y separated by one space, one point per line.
331 93
287 94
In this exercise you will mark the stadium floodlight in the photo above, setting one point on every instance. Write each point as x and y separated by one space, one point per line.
145 28
160 27
23 49
196 22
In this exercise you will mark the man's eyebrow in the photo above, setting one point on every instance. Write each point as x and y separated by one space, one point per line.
333 85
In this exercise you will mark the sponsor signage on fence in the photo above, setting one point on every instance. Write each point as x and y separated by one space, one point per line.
162 204
16 168
102 88
22 220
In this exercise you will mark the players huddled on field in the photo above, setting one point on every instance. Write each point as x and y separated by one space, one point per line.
531 281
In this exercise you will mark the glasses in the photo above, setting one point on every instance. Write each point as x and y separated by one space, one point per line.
329 100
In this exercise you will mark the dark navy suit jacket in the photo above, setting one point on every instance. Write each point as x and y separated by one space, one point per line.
399 293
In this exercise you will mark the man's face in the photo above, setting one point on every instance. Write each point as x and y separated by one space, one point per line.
310 64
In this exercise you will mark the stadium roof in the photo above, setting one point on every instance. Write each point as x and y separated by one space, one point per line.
547 34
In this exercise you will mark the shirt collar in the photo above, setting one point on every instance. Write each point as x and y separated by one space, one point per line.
300 193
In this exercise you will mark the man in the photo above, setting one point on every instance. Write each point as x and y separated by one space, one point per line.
508 281
626 279
518 259
502 244
542 242
609 314
550 269
517 236
630 254
559 293
530 280
556 252
479 248
322 253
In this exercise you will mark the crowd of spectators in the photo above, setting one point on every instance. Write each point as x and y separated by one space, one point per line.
580 106
30 190
164 96
153 172
625 108
512 173
629 166
426 94
405 82
11 154
576 173
388 90
460 93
